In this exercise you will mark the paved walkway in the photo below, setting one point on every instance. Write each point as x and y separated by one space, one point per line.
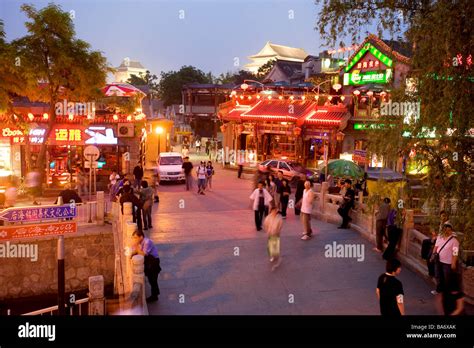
215 262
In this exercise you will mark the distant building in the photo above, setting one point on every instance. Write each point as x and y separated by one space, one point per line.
287 71
272 51
200 106
127 69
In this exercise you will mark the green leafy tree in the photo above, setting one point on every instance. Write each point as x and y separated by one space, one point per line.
10 81
265 69
441 34
55 65
172 82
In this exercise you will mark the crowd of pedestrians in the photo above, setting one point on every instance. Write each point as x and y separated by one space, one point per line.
270 201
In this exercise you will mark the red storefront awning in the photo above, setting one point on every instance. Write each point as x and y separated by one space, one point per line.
325 116
278 110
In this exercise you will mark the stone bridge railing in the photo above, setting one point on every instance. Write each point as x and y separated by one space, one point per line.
363 221
129 281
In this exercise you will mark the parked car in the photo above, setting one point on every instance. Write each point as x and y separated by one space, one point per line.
170 167
290 169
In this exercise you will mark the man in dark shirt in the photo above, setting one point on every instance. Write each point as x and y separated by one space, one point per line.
138 174
390 290
145 247
69 195
129 196
347 204
188 169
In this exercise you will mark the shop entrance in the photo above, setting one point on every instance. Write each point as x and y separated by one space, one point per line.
278 146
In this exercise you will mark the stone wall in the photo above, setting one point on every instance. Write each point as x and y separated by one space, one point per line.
90 252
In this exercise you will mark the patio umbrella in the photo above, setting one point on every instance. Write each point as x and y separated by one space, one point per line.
121 90
343 168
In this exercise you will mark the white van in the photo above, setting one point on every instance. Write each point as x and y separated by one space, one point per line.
170 167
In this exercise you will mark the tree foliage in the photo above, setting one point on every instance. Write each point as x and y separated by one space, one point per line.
441 34
266 68
172 82
54 65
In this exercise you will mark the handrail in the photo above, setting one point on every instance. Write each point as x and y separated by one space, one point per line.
54 308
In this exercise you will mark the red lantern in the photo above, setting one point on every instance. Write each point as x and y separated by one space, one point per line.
223 128
241 128
297 131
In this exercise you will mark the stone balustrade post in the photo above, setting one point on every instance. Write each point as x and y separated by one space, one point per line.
138 276
322 199
130 228
96 295
100 210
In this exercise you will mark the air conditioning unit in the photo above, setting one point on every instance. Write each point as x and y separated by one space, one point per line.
126 130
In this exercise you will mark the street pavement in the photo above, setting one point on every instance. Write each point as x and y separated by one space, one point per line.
215 262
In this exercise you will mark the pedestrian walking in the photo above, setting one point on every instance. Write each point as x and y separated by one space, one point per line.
306 210
272 225
347 204
156 184
285 197
390 290
198 146
210 175
146 199
271 186
112 179
394 231
299 193
138 174
208 146
33 184
278 191
201 174
241 167
381 216
445 257
452 299
443 218
11 193
81 182
145 247
261 199
188 173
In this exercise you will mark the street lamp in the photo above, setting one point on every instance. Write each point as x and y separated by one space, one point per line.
159 131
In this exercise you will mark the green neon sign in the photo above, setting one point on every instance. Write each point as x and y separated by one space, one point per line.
365 126
368 47
354 79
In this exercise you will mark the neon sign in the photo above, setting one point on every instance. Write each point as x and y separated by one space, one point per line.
355 79
368 47
62 134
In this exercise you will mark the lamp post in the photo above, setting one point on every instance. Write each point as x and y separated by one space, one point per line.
159 131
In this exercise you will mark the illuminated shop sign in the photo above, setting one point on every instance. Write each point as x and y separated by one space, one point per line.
368 47
101 136
17 137
67 135
362 78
